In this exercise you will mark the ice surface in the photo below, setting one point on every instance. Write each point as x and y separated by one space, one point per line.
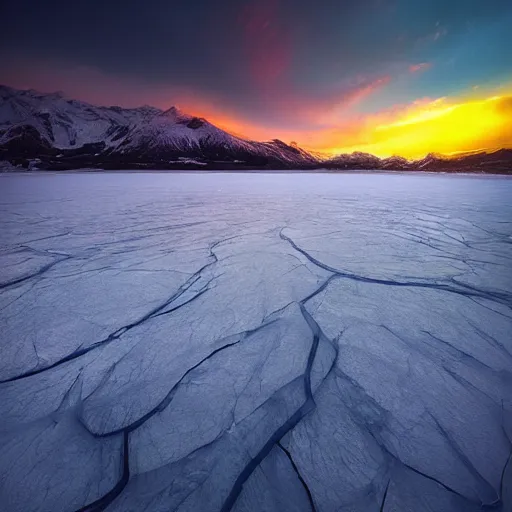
286 342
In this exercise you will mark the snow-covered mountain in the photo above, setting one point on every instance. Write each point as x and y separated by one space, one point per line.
356 160
49 131
483 161
489 162
62 131
66 124
395 163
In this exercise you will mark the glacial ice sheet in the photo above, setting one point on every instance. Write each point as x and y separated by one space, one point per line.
255 342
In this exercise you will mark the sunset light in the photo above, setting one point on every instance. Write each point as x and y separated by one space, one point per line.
439 126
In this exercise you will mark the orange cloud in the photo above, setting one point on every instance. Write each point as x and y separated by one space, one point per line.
332 111
335 109
426 125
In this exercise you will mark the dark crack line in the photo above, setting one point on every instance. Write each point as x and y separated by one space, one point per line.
319 290
506 297
465 291
433 479
465 460
383 503
122 330
503 423
467 384
59 235
40 272
489 339
302 481
391 455
168 398
68 393
490 309
308 406
109 372
164 228
97 270
102 503
192 299
417 471
452 348
502 481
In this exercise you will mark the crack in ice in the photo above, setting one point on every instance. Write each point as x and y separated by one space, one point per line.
307 406
501 297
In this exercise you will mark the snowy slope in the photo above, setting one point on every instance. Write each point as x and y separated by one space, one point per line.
67 123
50 121
175 133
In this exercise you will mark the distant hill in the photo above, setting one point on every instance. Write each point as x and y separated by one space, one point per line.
499 161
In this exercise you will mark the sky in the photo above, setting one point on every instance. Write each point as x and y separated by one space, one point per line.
404 77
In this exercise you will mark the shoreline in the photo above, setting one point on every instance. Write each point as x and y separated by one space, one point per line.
253 171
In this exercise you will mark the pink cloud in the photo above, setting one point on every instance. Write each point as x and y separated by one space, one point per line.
422 66
267 43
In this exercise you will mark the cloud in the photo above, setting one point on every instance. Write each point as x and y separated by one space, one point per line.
422 66
441 125
328 121
267 43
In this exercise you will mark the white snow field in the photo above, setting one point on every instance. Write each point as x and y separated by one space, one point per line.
255 342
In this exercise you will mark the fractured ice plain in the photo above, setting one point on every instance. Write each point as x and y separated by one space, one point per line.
255 343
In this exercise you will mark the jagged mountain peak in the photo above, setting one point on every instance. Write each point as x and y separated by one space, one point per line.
175 114
48 124
57 95
54 95
433 156
149 109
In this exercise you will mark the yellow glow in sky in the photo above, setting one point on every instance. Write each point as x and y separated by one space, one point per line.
439 126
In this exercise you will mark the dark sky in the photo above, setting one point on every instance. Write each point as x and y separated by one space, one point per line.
278 64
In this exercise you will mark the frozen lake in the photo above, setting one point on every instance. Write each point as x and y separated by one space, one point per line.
278 343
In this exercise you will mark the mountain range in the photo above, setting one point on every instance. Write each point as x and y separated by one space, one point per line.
49 131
